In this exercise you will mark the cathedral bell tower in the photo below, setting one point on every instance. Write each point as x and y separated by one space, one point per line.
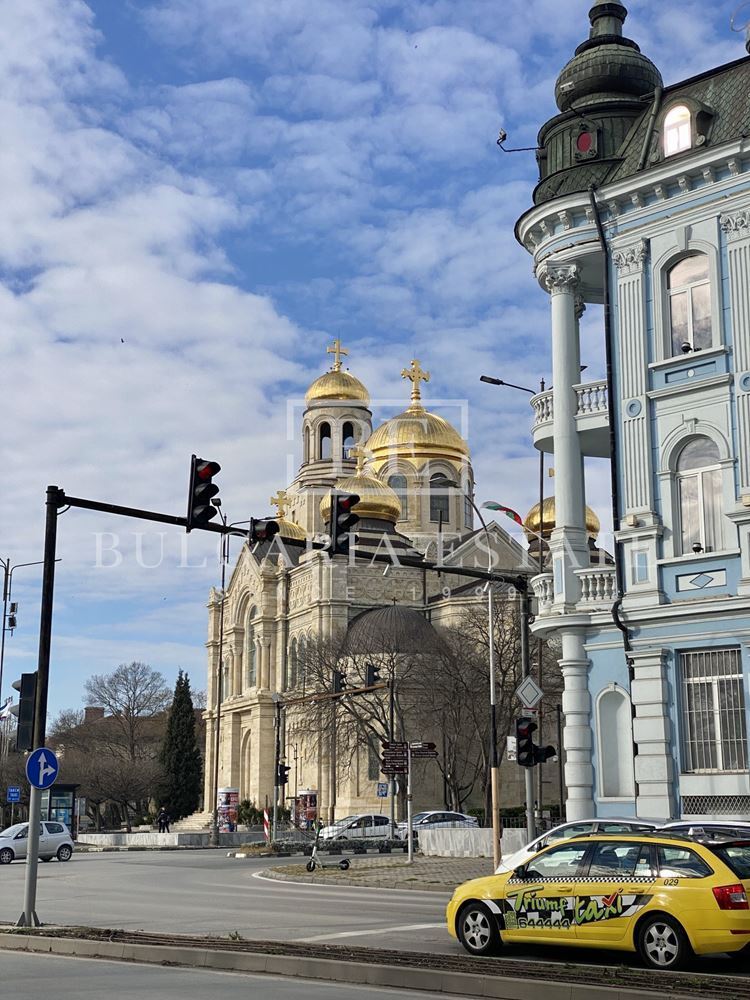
336 419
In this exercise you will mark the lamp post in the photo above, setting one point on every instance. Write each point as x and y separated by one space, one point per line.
494 762
8 571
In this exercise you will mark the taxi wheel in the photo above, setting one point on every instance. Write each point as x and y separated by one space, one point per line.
477 929
663 944
64 852
6 856
743 955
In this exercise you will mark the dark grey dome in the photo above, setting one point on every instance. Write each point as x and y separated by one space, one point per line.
395 629
607 66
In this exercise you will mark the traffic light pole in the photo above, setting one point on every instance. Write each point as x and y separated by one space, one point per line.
526 668
276 763
391 737
409 823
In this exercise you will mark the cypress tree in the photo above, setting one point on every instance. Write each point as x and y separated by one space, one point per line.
180 754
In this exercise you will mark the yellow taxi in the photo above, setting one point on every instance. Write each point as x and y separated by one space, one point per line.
666 897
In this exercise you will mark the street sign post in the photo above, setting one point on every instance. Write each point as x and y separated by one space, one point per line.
42 768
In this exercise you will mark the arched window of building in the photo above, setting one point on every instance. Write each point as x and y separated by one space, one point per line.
292 666
250 657
615 745
689 290
301 653
324 439
439 499
308 438
399 486
468 512
348 440
677 131
699 495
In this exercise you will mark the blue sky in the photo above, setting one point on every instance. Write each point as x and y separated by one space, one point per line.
197 196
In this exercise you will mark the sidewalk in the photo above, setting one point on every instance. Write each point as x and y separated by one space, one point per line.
426 874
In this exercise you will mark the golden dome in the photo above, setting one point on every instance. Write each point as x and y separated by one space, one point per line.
376 499
336 383
416 434
287 529
532 520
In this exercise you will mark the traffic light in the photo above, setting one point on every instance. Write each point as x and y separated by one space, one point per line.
339 681
12 621
372 675
262 530
343 520
528 754
282 774
24 711
200 510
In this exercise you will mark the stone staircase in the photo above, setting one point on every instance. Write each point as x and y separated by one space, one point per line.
198 822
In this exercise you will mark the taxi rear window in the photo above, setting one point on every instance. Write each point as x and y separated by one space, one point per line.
736 857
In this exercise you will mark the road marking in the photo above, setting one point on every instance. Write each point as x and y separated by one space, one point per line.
372 930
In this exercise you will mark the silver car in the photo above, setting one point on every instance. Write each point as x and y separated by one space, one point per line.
54 842
436 819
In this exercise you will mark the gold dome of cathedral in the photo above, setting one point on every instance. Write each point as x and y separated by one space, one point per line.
376 499
416 434
337 383
532 520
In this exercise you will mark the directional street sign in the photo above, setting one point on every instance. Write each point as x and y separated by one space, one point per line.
421 745
529 693
395 745
42 767
14 793
424 754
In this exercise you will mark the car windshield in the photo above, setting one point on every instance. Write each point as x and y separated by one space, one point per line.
736 857
344 821
11 831
418 817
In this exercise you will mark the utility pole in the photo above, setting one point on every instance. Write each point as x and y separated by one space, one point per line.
8 572
214 839
526 668
276 698
391 737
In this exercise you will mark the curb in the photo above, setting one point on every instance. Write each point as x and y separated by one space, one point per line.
330 970
313 879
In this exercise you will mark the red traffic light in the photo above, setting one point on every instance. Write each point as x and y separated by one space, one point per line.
347 501
200 508
205 470
262 530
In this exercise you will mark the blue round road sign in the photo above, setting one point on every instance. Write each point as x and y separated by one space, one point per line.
42 767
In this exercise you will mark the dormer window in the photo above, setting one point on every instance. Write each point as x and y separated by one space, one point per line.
689 291
677 130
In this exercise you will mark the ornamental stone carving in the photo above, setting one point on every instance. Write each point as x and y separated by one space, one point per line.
631 259
737 226
561 278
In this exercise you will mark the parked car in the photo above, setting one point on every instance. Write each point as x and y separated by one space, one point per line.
709 828
435 819
361 826
663 896
54 842
565 830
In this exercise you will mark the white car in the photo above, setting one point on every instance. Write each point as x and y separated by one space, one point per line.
612 825
54 842
362 826
436 819
710 827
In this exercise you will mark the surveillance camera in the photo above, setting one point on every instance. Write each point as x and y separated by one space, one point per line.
502 136
686 347
697 547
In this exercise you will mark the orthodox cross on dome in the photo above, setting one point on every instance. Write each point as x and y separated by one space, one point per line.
280 502
361 456
415 374
338 352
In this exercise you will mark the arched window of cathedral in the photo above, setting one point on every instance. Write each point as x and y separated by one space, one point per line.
699 495
614 727
439 499
324 436
677 131
348 440
308 439
399 486
689 290
301 651
292 678
468 512
250 659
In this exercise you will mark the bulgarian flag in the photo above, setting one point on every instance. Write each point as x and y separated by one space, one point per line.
512 514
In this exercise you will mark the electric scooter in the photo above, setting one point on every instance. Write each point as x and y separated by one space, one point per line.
315 862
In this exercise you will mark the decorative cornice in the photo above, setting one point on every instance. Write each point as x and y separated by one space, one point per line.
631 259
737 226
559 278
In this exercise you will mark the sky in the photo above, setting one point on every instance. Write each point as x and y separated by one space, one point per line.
198 196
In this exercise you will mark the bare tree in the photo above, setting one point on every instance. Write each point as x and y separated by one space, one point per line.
130 695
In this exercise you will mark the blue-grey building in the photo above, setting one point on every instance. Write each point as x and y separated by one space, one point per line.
643 205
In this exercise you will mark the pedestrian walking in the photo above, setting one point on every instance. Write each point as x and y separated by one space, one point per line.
163 819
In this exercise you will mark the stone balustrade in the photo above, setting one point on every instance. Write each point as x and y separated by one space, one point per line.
598 586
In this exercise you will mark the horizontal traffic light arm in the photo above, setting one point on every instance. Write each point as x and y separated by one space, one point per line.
329 695
519 581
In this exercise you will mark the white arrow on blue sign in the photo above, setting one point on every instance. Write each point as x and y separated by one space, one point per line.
42 767
13 794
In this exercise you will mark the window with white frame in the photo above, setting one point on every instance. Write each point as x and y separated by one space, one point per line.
677 130
689 292
399 486
714 736
699 495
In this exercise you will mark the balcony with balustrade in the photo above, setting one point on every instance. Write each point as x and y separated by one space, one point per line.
592 419
598 591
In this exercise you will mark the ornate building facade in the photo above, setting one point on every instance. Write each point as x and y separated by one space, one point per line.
643 205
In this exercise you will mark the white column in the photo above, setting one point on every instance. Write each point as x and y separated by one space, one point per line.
577 740
568 545
652 732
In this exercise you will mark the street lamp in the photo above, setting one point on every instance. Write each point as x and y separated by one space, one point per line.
8 571
494 763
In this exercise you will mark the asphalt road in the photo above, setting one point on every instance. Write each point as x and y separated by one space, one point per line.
205 892
29 977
